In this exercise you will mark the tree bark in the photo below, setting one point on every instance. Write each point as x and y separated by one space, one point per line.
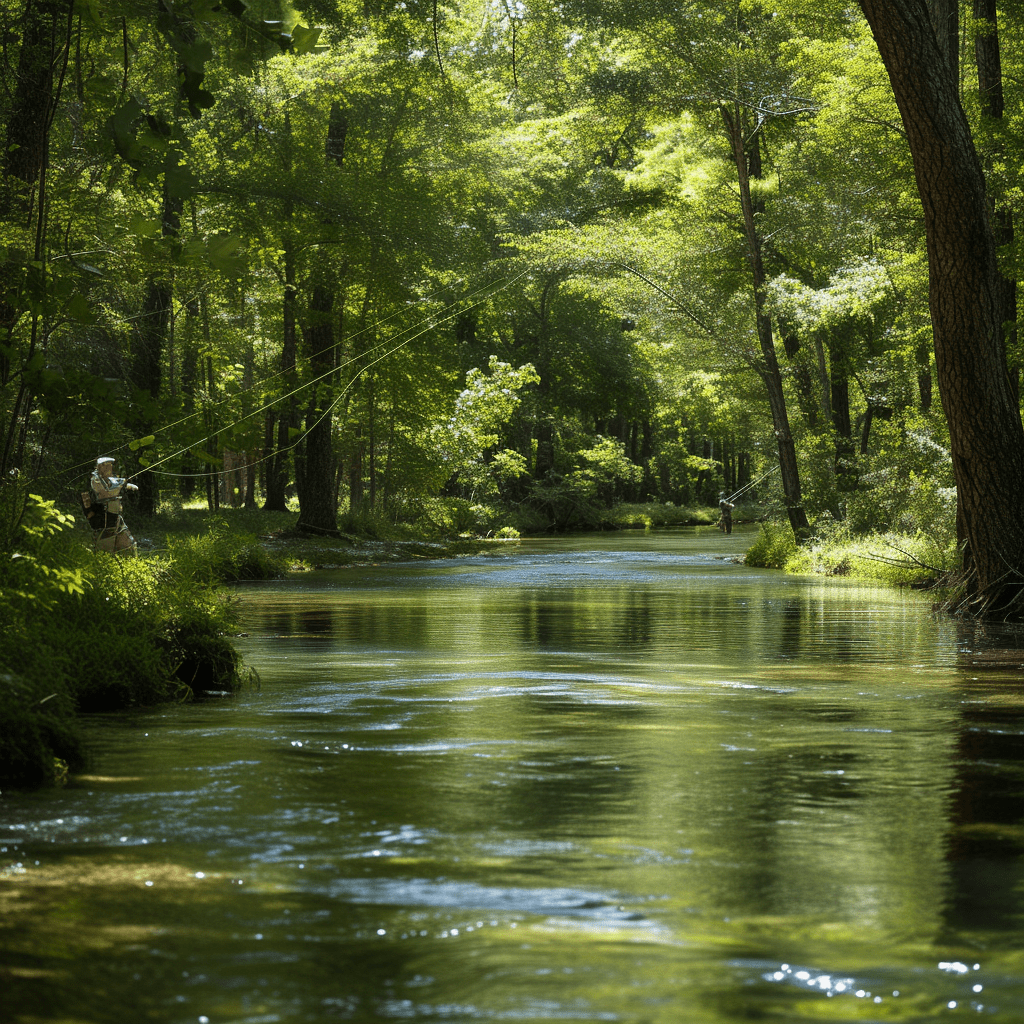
768 367
945 19
46 35
990 94
965 296
277 470
278 461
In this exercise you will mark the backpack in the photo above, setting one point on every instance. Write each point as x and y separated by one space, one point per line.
94 512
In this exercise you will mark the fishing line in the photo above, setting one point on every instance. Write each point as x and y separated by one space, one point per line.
75 470
753 483
299 440
314 355
326 412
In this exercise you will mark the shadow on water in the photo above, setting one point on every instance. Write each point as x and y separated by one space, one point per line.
616 778
987 814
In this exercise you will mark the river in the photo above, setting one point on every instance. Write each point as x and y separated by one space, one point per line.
613 778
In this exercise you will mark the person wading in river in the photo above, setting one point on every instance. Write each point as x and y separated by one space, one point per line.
726 507
111 532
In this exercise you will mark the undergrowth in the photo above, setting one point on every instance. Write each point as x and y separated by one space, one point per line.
86 631
649 515
773 547
892 558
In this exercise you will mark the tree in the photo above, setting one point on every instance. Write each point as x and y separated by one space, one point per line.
966 301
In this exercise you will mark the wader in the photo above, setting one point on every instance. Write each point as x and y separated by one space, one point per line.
725 523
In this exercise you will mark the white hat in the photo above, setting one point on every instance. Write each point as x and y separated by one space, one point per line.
104 458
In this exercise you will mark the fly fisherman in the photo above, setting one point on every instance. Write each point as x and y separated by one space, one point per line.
726 508
111 532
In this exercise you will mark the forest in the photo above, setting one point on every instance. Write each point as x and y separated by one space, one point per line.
486 266
435 261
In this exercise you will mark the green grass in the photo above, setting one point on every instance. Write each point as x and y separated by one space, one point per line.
895 559
892 558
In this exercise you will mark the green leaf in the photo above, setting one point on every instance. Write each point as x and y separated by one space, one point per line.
144 227
304 39
195 56
222 254
122 127
142 442
206 457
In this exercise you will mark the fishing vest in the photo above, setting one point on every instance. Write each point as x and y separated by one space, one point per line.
111 488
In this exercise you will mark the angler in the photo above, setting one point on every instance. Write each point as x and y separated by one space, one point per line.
102 504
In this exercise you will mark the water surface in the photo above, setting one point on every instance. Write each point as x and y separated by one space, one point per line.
612 778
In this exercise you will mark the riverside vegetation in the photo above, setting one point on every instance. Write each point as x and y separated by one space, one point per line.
85 631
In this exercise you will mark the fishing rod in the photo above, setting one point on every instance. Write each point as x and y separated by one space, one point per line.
753 483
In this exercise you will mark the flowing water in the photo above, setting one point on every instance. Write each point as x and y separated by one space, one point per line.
615 778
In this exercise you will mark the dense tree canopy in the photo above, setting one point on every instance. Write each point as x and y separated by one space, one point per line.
432 261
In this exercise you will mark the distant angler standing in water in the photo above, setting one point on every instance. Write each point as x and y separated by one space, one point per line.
725 507
112 534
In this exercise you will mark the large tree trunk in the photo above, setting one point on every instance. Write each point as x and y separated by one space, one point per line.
768 367
150 332
945 19
278 461
990 94
46 34
316 482
965 296
278 466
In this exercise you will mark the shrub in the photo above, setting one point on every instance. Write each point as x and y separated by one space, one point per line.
204 659
131 632
773 548
222 557
891 558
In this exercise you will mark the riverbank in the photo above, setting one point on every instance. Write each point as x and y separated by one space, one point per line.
921 560
86 632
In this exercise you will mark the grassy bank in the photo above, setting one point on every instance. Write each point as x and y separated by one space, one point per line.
652 515
895 559
85 631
